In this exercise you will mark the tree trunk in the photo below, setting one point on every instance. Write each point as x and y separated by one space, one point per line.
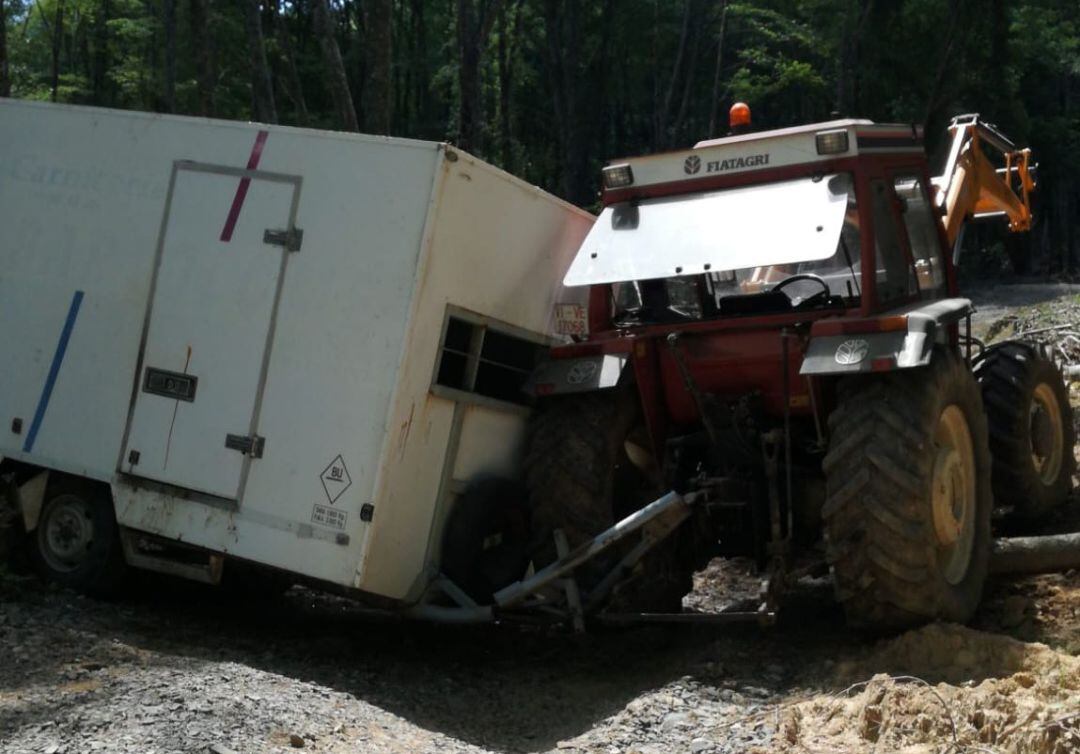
100 68
169 22
293 87
563 32
508 36
379 92
419 74
714 106
661 138
688 85
262 89
935 98
335 67
468 77
57 38
849 54
5 80
201 50
473 28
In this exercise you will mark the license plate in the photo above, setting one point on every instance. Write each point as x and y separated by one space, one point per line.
571 319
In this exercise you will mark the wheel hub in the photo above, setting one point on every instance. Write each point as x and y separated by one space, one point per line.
949 499
1046 433
953 494
66 534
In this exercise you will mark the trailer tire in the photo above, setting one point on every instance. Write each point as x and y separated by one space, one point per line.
580 479
908 502
77 541
1027 410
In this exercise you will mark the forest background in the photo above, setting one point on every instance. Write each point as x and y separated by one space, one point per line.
551 89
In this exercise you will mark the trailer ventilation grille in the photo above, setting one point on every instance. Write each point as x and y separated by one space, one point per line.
481 359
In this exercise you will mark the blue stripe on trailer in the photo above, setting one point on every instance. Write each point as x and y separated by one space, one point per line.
54 370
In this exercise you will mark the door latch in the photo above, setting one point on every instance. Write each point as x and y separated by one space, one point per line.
249 445
290 238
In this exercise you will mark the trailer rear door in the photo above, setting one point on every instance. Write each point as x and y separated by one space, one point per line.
221 261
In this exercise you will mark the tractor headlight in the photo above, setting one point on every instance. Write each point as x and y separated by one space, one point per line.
832 142
618 176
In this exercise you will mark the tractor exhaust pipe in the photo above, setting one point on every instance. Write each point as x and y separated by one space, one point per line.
1046 554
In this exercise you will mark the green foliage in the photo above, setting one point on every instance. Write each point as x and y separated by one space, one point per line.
568 84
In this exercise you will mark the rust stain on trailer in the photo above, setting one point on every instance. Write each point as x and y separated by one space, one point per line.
176 407
403 433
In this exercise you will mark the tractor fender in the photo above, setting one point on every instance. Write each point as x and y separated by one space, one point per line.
869 351
577 375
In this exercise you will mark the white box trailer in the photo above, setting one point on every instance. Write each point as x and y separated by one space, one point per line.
289 346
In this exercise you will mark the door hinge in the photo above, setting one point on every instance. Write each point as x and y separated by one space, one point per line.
249 445
291 238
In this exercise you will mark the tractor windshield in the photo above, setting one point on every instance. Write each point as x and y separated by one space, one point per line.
727 252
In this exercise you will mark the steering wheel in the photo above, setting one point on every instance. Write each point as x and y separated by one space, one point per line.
825 292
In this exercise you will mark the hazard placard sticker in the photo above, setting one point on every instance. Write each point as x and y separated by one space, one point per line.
335 479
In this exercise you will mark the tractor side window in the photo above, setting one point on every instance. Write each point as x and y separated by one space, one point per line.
895 276
923 235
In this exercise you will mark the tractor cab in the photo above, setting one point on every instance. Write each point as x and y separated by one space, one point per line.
773 329
762 254
832 218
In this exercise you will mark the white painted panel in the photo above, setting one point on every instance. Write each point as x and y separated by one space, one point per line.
733 229
210 315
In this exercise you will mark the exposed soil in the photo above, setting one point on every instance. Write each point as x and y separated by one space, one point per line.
177 669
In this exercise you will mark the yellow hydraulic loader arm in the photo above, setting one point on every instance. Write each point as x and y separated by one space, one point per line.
972 187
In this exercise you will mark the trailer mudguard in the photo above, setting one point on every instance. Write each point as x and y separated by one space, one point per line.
579 375
867 351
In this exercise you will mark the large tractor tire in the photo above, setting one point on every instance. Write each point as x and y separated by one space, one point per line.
581 477
77 542
907 512
1031 427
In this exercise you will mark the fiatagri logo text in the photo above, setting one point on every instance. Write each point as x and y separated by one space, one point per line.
692 165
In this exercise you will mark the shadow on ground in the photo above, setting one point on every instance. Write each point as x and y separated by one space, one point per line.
500 687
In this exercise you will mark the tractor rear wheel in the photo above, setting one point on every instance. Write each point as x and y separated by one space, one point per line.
589 464
907 512
1031 428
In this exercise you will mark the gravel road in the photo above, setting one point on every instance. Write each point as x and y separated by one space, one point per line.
177 670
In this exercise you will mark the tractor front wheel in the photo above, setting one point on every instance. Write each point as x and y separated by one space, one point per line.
589 463
907 514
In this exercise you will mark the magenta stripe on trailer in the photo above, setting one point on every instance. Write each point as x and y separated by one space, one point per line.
242 189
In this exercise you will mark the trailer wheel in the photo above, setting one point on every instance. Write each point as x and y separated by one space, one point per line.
76 542
585 468
907 512
1031 428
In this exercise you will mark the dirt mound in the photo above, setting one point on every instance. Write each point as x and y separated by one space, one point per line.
949 689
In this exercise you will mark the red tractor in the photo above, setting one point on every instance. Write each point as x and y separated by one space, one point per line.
774 330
